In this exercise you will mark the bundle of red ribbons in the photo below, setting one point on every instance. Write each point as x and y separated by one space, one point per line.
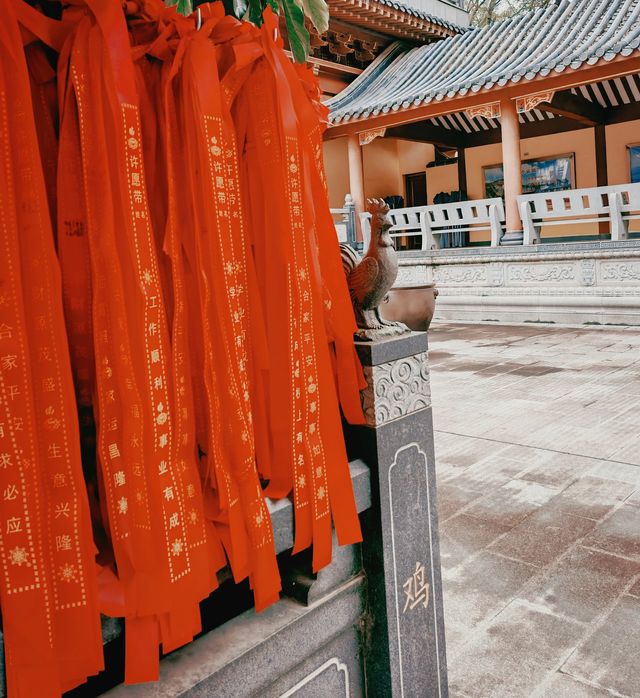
176 334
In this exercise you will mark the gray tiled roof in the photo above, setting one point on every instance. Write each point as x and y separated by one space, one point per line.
567 35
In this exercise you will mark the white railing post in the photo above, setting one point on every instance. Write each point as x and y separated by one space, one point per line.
530 232
428 240
619 226
496 225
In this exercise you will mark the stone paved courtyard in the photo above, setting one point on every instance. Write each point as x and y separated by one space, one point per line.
538 460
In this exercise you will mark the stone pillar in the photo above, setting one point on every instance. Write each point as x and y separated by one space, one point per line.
602 175
462 172
512 165
405 651
356 178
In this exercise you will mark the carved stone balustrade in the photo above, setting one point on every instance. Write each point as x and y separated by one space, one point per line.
595 282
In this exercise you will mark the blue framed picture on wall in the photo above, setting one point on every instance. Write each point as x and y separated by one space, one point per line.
539 175
634 162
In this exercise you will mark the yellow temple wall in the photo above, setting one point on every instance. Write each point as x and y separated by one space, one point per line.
443 178
413 157
385 162
619 136
382 175
336 165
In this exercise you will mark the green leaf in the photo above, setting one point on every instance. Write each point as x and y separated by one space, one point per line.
318 12
184 7
275 6
254 13
298 34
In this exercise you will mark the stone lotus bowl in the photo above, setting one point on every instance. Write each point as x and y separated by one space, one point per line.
413 305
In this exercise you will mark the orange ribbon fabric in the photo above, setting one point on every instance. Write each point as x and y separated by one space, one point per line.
49 593
194 271
279 130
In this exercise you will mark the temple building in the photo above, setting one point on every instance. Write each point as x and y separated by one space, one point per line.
520 137
360 30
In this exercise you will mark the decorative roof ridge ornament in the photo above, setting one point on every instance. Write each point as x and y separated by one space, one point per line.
366 137
486 111
530 102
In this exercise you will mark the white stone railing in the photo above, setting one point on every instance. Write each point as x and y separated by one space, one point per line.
616 205
431 222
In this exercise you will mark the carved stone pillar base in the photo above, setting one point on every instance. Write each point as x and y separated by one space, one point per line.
405 653
513 237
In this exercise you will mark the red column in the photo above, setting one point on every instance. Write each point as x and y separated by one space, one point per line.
512 171
356 178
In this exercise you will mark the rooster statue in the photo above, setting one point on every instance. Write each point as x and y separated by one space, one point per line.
370 278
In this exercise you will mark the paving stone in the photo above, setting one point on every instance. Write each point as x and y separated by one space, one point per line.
530 457
558 469
609 658
489 474
468 422
455 636
594 497
633 500
439 357
629 453
467 366
583 584
451 499
471 451
445 472
481 587
635 589
563 686
463 536
619 534
543 536
511 430
612 470
514 654
497 369
447 443
514 501
581 440
550 453
536 370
